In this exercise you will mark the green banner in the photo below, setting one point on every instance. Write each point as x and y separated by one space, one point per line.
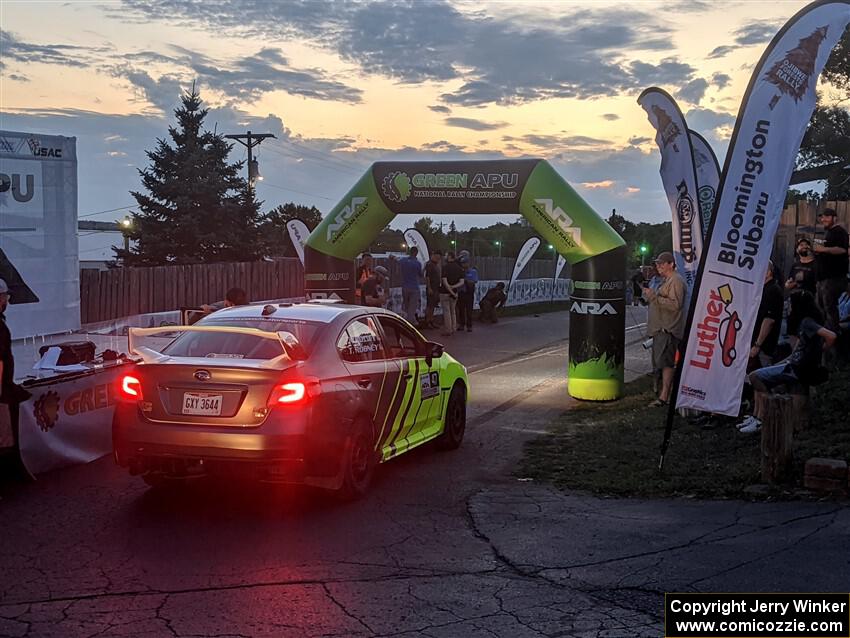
563 218
352 225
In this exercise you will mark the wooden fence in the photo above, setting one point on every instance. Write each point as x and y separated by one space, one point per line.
121 292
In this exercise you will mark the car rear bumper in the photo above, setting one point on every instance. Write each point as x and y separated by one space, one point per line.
275 451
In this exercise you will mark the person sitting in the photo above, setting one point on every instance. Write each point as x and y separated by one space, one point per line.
491 302
373 291
802 366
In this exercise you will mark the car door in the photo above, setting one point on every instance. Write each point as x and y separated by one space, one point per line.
418 417
376 379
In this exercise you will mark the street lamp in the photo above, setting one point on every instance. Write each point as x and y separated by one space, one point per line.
499 245
126 224
643 250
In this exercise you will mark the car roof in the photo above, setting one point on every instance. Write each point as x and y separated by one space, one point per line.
318 312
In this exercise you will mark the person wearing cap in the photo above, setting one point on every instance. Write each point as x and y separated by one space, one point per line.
372 290
491 302
666 322
832 260
411 276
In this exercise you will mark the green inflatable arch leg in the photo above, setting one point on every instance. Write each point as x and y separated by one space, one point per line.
528 187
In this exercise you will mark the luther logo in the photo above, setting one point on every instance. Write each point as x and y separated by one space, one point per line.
396 186
719 326
667 128
792 73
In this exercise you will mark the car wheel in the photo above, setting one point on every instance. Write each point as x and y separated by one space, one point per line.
359 462
158 481
455 422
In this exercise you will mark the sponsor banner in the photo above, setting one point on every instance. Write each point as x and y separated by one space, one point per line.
446 187
560 265
708 177
523 257
679 179
38 232
773 117
68 421
413 237
298 234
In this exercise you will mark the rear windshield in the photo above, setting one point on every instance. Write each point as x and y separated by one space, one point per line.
238 346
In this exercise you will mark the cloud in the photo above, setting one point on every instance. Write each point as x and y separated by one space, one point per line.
65 54
443 146
475 125
559 143
610 116
755 33
668 71
721 51
606 183
439 108
499 57
720 80
693 91
702 120
638 141
631 190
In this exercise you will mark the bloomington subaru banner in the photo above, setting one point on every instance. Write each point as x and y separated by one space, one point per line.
298 234
523 257
774 114
708 177
38 232
678 177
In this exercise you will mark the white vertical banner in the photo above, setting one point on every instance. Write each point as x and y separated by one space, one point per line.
774 114
562 261
38 232
298 234
679 179
708 177
523 257
413 237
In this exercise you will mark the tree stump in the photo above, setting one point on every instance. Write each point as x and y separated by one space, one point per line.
801 405
777 436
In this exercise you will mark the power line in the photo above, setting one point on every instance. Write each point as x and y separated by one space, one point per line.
292 190
329 162
111 210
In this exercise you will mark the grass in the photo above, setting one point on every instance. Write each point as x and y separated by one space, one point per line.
613 448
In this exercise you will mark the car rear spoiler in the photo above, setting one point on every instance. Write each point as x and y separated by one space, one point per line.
291 348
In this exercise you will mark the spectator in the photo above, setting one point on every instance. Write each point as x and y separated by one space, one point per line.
491 302
451 282
768 323
803 366
233 297
803 275
666 322
11 394
411 274
372 290
364 271
637 282
832 267
433 280
466 296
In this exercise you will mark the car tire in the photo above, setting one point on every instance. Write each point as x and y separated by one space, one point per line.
455 421
158 481
359 463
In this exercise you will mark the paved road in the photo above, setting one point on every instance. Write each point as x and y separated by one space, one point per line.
447 544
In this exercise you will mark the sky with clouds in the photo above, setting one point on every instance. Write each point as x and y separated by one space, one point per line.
343 84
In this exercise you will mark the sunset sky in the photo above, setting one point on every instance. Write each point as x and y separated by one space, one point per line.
344 84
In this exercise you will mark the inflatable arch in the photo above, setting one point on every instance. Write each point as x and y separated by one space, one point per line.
530 187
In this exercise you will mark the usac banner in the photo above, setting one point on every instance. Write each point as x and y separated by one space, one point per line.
679 179
773 117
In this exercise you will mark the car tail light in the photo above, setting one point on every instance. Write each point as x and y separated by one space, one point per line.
130 388
294 392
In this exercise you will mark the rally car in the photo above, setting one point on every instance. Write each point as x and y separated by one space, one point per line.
309 393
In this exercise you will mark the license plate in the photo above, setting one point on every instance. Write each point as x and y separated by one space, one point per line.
201 403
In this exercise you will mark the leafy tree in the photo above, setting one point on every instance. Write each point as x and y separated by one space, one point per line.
196 207
273 230
827 138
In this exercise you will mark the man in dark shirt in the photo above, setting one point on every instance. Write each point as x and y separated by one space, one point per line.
373 288
492 301
450 284
768 323
832 267
8 391
433 276
803 275
364 271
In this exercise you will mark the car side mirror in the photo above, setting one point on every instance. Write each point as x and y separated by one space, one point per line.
433 351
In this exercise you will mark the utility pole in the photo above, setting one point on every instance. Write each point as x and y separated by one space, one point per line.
249 141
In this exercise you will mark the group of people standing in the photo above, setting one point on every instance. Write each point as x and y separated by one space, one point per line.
813 306
450 284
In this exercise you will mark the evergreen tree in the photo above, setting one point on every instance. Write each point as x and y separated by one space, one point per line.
196 207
